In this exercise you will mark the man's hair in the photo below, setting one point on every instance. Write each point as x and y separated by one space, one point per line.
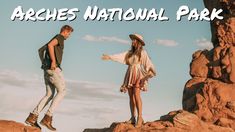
66 27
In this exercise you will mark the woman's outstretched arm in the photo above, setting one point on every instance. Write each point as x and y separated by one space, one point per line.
121 57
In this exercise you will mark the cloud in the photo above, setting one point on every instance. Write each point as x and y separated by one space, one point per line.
13 78
96 90
166 42
204 43
105 39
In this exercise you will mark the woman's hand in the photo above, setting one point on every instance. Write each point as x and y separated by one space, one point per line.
106 57
142 82
123 89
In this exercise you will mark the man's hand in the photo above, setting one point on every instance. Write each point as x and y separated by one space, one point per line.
106 57
53 65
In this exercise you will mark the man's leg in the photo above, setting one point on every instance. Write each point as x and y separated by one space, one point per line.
33 116
50 91
59 83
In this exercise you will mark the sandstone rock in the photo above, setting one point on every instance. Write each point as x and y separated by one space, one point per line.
12 126
192 87
212 99
225 31
175 121
223 37
225 123
199 65
222 30
231 105
222 64
216 63
97 130
186 121
232 63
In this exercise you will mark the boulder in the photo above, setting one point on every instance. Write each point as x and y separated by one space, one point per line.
12 126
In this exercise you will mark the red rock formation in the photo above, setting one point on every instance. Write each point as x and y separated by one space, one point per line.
211 100
175 121
222 30
12 126
210 94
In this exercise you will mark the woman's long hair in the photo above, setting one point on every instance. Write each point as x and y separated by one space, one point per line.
136 51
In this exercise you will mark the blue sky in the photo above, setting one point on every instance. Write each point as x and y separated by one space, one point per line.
170 44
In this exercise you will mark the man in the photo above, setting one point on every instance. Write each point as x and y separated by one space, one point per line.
51 57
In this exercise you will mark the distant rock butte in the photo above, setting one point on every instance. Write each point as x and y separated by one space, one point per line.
12 126
209 96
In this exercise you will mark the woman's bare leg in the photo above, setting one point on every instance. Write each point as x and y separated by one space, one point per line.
132 102
139 107
138 101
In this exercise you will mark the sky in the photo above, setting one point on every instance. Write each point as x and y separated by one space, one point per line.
93 99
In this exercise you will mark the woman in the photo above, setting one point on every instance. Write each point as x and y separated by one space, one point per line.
140 69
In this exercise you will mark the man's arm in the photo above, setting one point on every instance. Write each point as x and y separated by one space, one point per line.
51 46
